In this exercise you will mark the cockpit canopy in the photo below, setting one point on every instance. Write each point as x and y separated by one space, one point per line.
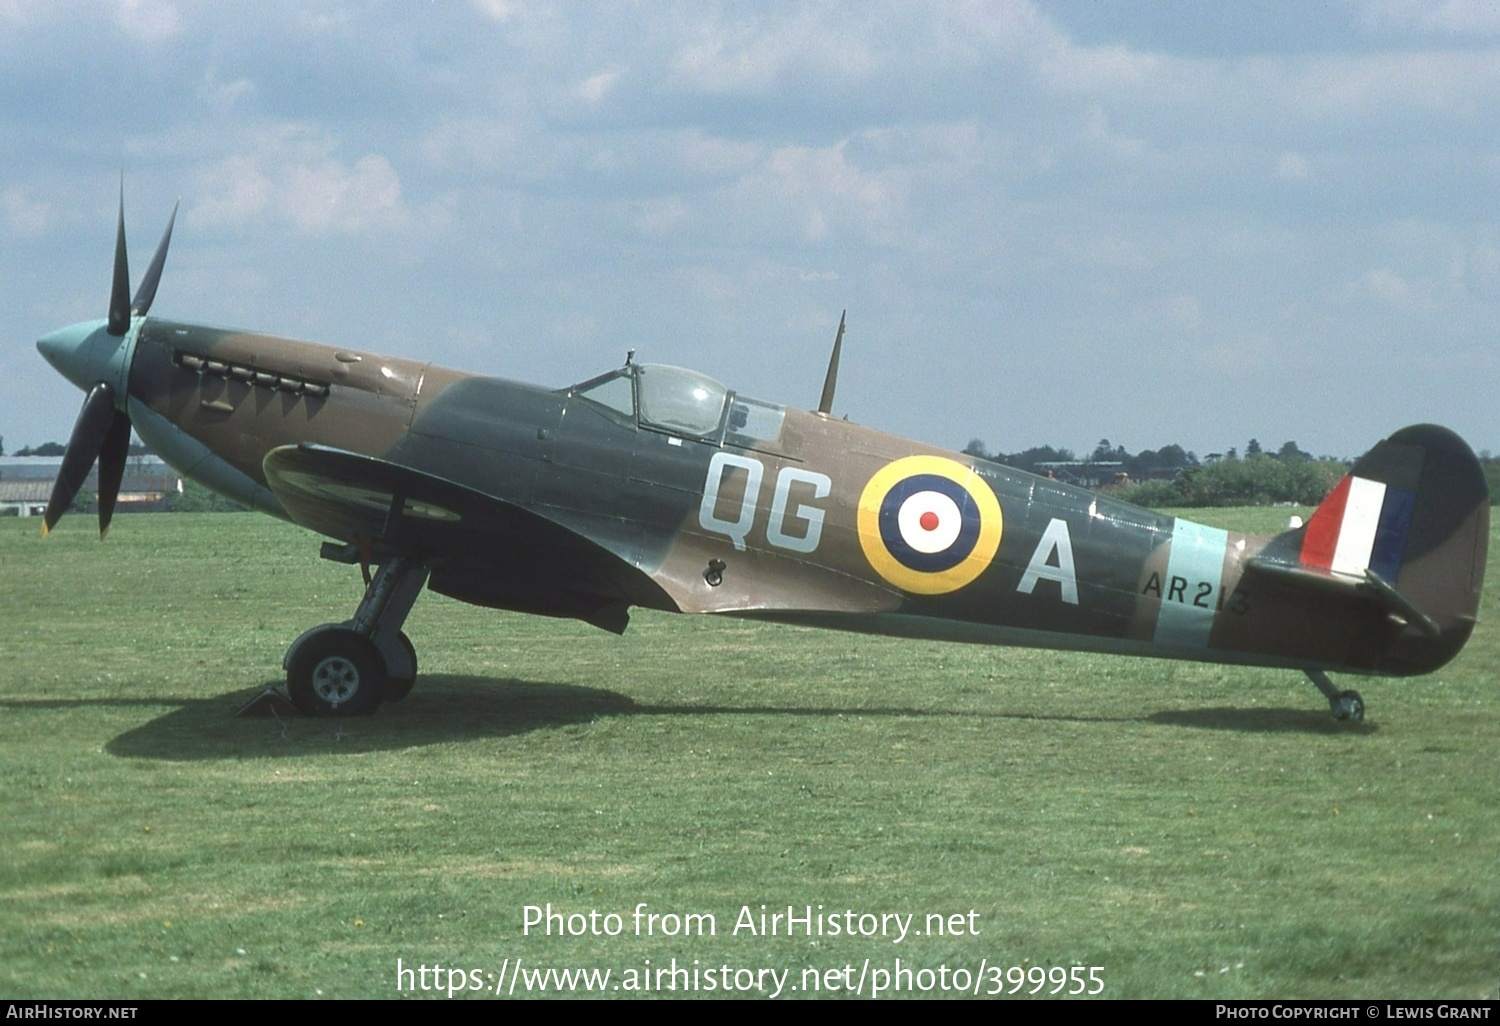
679 400
683 402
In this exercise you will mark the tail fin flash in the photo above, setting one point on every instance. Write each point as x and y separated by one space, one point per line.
1412 518
1365 521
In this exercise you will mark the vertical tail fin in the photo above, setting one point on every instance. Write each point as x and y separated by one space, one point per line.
1413 518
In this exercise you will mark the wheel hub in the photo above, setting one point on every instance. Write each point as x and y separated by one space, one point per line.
335 680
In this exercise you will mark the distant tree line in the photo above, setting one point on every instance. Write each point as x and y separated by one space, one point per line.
1259 480
45 449
195 498
1174 476
1139 466
1491 465
59 449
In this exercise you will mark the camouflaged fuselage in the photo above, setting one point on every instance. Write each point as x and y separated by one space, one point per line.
772 512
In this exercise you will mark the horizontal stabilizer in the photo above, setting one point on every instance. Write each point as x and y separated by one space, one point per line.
1370 586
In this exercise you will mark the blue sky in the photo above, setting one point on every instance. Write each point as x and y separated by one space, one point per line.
1155 222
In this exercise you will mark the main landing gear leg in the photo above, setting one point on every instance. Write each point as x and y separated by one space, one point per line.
1345 705
349 668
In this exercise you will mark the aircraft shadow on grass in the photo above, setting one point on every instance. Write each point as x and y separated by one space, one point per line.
1260 721
452 708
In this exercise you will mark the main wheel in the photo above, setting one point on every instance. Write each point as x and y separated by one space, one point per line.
336 672
1350 707
397 688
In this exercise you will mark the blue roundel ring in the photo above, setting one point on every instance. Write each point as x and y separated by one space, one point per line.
890 524
929 525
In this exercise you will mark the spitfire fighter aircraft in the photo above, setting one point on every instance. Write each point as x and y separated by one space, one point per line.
659 487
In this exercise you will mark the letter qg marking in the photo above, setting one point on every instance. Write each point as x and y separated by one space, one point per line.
810 515
738 528
928 525
708 516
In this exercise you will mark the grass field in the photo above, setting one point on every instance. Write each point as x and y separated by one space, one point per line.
1196 831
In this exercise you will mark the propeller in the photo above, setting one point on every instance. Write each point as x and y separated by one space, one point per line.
96 435
102 431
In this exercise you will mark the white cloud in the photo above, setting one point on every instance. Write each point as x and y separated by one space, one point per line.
17 12
1471 18
1095 70
150 21
214 90
754 56
1116 145
24 214
661 216
484 145
1377 87
1481 268
596 87
817 186
498 10
234 191
1182 313
1232 356
294 176
698 154
1387 287
709 284
331 195
1292 167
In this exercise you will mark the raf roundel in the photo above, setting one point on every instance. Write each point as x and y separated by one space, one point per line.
928 525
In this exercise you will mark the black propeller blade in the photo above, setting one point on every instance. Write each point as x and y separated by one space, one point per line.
147 292
112 468
99 425
119 293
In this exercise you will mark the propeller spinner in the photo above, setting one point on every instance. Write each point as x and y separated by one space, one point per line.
102 431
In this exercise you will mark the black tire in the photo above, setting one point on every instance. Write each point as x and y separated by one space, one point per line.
1351 707
337 672
397 688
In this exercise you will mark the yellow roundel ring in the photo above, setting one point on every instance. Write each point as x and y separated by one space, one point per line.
928 525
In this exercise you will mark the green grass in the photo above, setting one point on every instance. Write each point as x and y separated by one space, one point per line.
1197 831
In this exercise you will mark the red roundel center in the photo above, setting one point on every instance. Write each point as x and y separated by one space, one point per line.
929 521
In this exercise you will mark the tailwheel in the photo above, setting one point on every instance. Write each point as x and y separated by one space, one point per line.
336 671
1345 705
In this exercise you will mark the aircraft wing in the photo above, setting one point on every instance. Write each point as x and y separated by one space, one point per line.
482 549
